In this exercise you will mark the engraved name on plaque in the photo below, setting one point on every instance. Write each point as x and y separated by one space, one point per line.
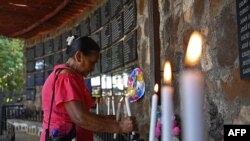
243 21
106 12
130 48
117 28
106 36
106 57
117 55
130 17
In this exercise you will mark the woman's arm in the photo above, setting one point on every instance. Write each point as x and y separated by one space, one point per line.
93 122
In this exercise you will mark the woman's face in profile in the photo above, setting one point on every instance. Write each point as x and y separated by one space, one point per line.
87 64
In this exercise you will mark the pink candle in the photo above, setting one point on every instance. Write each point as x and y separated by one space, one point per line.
191 90
167 104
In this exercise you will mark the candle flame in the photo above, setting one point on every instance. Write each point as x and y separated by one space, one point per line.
167 73
194 49
156 87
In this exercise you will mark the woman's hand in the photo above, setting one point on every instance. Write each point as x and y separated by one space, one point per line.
127 125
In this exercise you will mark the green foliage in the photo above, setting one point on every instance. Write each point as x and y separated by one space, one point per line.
11 64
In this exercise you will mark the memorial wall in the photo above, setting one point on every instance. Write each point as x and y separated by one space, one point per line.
113 27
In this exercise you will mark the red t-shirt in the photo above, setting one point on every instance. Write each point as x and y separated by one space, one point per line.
68 87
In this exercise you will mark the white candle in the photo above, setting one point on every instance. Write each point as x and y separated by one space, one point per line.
119 109
108 107
191 90
113 105
167 104
118 113
153 114
97 106
127 106
128 109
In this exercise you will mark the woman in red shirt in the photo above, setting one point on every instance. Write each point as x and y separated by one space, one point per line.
72 100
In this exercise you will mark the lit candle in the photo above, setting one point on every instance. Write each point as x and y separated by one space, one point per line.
113 105
191 90
118 113
153 113
167 104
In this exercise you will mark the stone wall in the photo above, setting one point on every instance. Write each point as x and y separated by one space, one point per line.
145 61
227 97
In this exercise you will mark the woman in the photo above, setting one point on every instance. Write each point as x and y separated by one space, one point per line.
72 100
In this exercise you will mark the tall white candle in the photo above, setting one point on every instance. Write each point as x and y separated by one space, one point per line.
118 113
128 109
97 108
167 104
191 90
153 114
127 106
108 107
113 105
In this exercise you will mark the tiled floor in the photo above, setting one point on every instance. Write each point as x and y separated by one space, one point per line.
20 136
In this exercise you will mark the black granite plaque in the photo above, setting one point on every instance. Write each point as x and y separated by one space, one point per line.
48 47
117 28
57 43
130 48
64 38
106 57
39 78
47 73
106 36
116 7
30 93
96 38
97 69
125 1
95 21
65 56
30 66
30 80
130 17
243 20
76 30
106 12
117 55
85 28
48 62
58 58
39 50
30 53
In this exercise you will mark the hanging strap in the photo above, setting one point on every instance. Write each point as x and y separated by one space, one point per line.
53 96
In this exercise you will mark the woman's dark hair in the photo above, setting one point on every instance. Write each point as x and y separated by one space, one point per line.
84 44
